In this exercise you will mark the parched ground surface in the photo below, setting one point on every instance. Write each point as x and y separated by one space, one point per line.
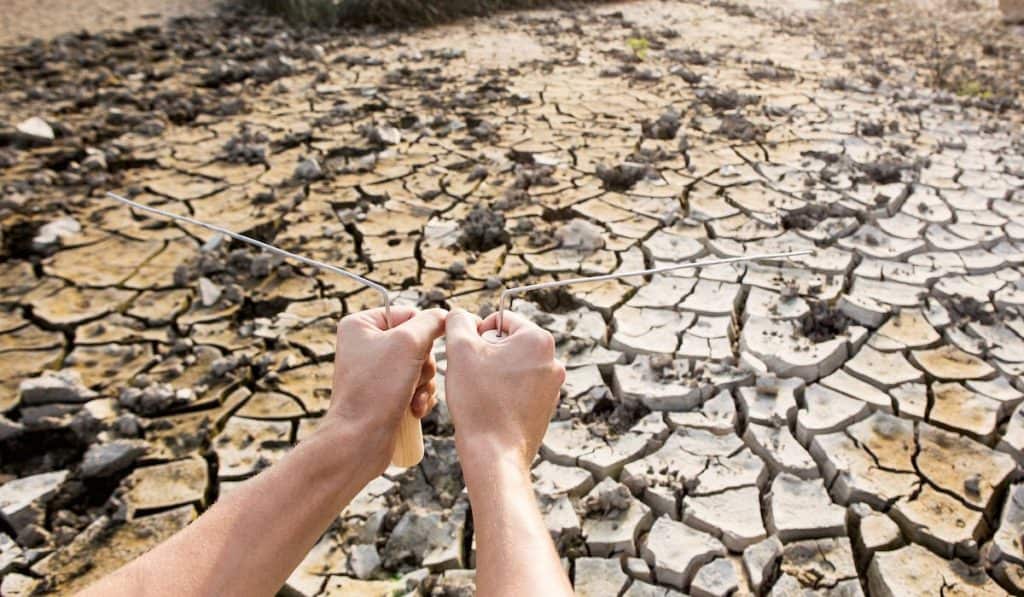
24 20
846 423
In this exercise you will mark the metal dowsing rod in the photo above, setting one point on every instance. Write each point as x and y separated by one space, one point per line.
384 296
509 292
409 439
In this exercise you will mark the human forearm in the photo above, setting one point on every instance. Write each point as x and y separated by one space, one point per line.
276 516
515 553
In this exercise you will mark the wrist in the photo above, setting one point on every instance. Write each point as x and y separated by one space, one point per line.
483 456
341 441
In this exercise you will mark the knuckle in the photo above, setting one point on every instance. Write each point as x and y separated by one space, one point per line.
457 345
543 342
558 371
405 340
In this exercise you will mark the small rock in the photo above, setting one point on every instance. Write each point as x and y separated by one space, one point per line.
383 135
37 130
95 160
64 386
18 585
760 561
597 577
209 292
623 176
581 235
32 536
364 560
10 555
308 169
800 509
716 579
22 500
52 233
676 551
103 460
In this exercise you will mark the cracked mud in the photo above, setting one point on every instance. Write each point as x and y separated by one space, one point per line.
849 422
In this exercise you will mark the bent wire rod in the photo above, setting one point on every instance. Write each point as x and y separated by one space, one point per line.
509 292
385 298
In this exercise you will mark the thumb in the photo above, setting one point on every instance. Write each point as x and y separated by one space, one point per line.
424 327
461 326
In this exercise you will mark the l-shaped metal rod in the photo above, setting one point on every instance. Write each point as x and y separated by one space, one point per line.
385 297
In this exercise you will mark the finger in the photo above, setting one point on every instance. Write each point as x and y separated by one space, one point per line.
428 370
421 403
461 326
425 385
423 327
511 323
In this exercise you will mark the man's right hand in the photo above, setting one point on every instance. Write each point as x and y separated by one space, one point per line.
501 393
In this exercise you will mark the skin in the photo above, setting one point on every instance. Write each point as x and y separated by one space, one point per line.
249 542
501 397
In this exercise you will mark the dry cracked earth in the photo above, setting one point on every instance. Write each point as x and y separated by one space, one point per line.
846 423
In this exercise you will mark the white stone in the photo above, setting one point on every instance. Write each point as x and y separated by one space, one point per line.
676 551
759 560
209 292
22 499
36 128
716 579
615 531
734 516
772 401
800 509
826 411
778 447
598 577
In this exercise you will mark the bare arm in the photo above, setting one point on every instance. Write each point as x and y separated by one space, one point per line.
250 541
515 554
501 396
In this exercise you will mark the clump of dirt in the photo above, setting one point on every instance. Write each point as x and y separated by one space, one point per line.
823 322
528 176
483 229
608 500
623 176
739 128
769 71
247 147
885 170
812 214
611 418
665 127
555 300
721 100
965 308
